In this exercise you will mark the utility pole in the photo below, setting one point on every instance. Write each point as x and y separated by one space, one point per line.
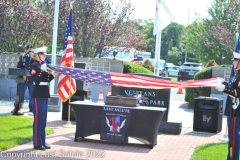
187 25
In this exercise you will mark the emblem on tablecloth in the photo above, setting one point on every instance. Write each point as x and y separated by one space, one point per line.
115 126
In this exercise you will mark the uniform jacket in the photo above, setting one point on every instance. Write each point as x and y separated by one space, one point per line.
25 62
234 90
38 76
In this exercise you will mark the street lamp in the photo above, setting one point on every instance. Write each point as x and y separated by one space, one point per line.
223 61
19 48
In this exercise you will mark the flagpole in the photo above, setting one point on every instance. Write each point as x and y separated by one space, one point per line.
54 42
157 53
69 123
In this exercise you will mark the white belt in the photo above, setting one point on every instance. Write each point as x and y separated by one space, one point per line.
42 83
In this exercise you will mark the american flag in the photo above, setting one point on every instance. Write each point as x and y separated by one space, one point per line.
65 90
163 16
130 80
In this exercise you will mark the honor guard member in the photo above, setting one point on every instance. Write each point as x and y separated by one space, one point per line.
41 78
25 62
232 110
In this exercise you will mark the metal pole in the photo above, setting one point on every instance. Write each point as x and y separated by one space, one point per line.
54 41
157 53
187 24
225 136
69 123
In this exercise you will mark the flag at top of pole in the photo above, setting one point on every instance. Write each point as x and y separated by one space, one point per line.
67 85
163 16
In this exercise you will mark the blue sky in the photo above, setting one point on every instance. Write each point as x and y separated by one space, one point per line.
145 9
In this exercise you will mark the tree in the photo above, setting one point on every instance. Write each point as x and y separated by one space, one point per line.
222 26
175 56
147 28
213 38
195 42
22 22
97 24
171 37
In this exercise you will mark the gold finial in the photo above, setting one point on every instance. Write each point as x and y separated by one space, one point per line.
71 3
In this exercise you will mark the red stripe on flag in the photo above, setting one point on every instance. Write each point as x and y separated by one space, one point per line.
129 80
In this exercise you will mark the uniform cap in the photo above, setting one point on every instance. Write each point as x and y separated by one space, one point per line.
29 46
40 50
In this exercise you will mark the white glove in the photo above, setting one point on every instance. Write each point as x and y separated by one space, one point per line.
44 67
55 74
222 80
220 88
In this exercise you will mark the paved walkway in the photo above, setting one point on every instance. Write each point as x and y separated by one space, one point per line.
169 147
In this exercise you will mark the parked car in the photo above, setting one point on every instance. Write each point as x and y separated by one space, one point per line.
162 65
171 71
188 70
169 65
139 60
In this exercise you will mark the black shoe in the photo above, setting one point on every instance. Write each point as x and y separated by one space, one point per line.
47 147
40 148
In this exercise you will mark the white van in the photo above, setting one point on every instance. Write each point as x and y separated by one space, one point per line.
144 55
123 53
162 65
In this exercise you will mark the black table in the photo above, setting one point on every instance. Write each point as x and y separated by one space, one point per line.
143 126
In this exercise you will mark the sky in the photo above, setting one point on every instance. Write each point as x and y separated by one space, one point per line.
182 9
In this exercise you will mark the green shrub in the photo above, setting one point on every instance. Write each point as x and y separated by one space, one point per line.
135 68
192 93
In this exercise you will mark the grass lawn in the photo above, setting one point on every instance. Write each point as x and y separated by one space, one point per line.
16 130
212 151
174 79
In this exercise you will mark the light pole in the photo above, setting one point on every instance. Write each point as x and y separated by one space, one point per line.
19 48
187 25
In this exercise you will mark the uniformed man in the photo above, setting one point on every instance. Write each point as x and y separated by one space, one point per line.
41 78
232 110
24 62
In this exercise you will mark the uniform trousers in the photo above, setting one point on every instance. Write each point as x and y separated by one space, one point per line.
40 120
233 136
23 86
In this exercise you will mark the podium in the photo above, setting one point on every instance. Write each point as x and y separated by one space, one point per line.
18 72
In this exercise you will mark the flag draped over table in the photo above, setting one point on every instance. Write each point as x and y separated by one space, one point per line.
163 16
66 84
130 80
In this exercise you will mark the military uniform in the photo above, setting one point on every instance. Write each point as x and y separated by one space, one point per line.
233 115
40 95
25 62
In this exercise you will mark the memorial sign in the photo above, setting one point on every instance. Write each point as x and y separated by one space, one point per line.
146 97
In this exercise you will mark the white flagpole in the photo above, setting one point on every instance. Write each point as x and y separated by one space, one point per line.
54 41
163 17
157 53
